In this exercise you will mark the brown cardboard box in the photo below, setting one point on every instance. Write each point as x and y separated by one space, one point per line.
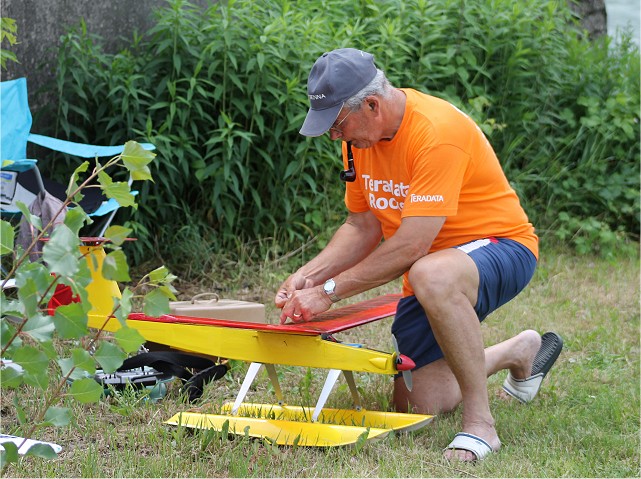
209 305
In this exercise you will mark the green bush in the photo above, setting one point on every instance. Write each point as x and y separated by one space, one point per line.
221 92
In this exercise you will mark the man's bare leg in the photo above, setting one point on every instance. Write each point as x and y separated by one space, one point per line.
446 285
436 390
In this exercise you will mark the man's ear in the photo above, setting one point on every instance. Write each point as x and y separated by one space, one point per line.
372 103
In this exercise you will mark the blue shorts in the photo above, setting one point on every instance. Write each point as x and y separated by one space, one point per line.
505 268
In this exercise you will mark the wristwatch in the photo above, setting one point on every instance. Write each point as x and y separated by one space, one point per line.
330 287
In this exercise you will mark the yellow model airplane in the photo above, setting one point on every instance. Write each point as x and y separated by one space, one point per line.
308 344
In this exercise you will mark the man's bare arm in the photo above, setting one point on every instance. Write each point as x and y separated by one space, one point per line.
351 243
392 258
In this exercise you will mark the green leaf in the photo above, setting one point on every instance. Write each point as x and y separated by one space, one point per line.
26 214
61 252
157 275
81 168
8 455
161 275
155 304
82 279
115 266
86 390
70 321
66 365
49 349
129 339
73 183
83 360
118 190
362 439
168 291
38 379
36 272
31 359
42 450
10 377
7 330
136 159
7 237
40 327
122 313
57 416
69 369
109 356
75 219
292 167
22 416
117 234
29 297
11 307
79 196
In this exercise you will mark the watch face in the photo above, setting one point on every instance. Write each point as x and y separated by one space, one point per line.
329 286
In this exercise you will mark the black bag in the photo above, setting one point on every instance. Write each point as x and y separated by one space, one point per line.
147 369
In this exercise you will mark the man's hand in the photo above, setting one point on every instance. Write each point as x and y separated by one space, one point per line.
302 305
294 283
300 297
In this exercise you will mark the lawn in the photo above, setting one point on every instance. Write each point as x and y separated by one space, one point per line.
584 423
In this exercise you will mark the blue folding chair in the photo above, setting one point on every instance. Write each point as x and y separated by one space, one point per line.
20 178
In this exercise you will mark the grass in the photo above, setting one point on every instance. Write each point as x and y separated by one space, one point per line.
584 423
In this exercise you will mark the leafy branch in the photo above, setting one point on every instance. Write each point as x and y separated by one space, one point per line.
31 330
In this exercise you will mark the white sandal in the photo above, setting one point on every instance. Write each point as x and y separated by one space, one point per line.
526 389
464 441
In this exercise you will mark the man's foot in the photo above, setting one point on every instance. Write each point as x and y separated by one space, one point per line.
525 346
467 444
473 444
526 388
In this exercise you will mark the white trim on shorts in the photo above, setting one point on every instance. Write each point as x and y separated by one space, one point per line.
474 245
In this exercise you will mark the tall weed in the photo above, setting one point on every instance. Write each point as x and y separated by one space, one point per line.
221 91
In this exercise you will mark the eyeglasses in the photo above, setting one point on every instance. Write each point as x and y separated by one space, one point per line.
336 128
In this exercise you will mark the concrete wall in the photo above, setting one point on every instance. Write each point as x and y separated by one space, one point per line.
593 16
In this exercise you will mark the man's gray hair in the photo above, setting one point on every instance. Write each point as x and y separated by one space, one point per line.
379 85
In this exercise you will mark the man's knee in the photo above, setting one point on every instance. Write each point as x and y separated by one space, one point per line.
429 280
435 390
440 276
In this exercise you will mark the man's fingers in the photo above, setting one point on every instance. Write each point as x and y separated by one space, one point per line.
281 298
294 316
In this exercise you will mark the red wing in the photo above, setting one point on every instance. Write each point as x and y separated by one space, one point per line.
330 322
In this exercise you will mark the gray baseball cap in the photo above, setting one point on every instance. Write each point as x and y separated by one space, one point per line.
335 77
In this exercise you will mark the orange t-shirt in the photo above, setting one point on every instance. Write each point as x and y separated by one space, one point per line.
439 163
